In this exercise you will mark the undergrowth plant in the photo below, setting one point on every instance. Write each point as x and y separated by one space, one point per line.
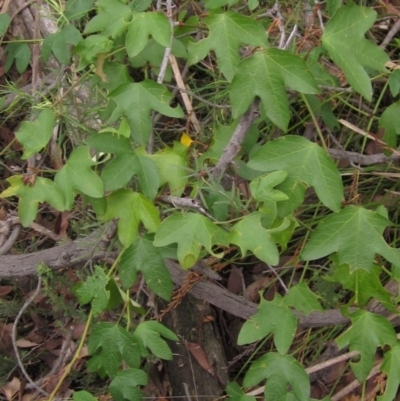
266 88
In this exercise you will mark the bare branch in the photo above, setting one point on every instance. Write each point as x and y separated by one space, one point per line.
234 145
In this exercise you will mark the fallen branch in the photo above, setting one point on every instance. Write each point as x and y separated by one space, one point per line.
93 248
365 160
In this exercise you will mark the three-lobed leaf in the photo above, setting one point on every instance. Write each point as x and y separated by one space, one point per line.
272 317
364 284
127 163
77 175
304 162
125 384
136 100
112 18
57 43
344 39
250 235
266 74
132 208
302 299
109 345
34 135
144 25
149 336
143 256
94 290
391 366
355 233
280 371
367 332
191 231
228 31
43 190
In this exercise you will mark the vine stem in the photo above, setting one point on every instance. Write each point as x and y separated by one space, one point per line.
82 341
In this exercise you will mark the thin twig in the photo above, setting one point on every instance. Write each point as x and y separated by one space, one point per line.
14 337
235 143
10 240
290 38
207 102
184 203
390 34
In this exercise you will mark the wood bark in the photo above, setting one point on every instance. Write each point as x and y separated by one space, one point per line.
187 378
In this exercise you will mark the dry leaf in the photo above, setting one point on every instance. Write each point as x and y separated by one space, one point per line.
235 280
24 343
201 357
5 289
11 388
252 291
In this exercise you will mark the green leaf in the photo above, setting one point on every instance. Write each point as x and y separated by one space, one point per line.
144 256
228 31
280 371
109 345
140 5
344 39
34 135
112 18
90 48
214 4
172 168
367 332
142 26
43 190
57 43
364 284
83 396
78 175
94 290
5 20
77 9
20 53
136 100
302 299
390 121
394 82
272 317
391 366
250 235
190 231
262 189
148 334
125 384
132 208
355 234
235 393
266 74
305 162
127 163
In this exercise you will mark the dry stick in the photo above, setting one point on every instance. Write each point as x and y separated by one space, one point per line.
235 143
365 160
14 338
11 240
205 101
390 35
164 63
181 87
61 358
354 384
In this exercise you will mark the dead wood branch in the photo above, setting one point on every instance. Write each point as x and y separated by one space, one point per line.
80 251
235 144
